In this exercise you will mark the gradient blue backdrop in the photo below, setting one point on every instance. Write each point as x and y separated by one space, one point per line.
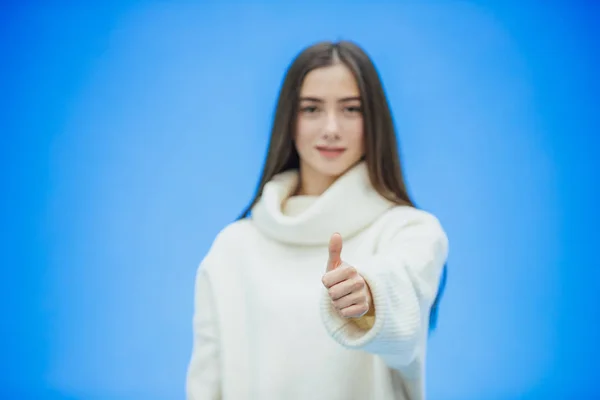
132 132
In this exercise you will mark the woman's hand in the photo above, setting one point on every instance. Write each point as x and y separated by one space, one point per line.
347 289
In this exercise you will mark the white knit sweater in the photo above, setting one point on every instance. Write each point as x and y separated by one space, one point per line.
263 324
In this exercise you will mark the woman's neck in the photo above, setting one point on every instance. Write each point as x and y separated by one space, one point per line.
313 185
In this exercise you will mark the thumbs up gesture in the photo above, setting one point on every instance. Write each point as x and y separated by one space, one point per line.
347 289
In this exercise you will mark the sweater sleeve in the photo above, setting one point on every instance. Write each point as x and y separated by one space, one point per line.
403 277
203 375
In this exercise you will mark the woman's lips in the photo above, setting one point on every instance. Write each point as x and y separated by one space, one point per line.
330 152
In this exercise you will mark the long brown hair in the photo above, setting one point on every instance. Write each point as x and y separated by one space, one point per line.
381 146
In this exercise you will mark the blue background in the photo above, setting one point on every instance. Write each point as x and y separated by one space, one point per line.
133 131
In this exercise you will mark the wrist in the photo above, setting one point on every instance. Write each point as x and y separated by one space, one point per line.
371 311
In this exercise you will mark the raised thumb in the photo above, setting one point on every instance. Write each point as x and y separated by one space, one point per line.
335 251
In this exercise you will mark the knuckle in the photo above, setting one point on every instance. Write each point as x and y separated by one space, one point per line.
358 284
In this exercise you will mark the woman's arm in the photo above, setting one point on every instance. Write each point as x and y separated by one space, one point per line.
203 376
403 279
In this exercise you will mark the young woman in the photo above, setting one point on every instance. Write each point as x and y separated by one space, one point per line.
327 285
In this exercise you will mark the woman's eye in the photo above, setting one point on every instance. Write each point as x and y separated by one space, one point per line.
309 109
354 109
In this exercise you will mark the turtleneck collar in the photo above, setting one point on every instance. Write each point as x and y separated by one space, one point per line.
348 206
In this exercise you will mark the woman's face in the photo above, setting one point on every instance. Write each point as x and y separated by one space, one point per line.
329 130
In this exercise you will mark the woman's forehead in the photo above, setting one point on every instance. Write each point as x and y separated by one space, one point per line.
332 81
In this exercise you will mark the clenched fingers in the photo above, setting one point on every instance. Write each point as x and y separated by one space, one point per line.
359 298
340 274
353 285
354 311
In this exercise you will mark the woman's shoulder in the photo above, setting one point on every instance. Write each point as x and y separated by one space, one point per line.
407 215
412 222
409 229
228 244
236 232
